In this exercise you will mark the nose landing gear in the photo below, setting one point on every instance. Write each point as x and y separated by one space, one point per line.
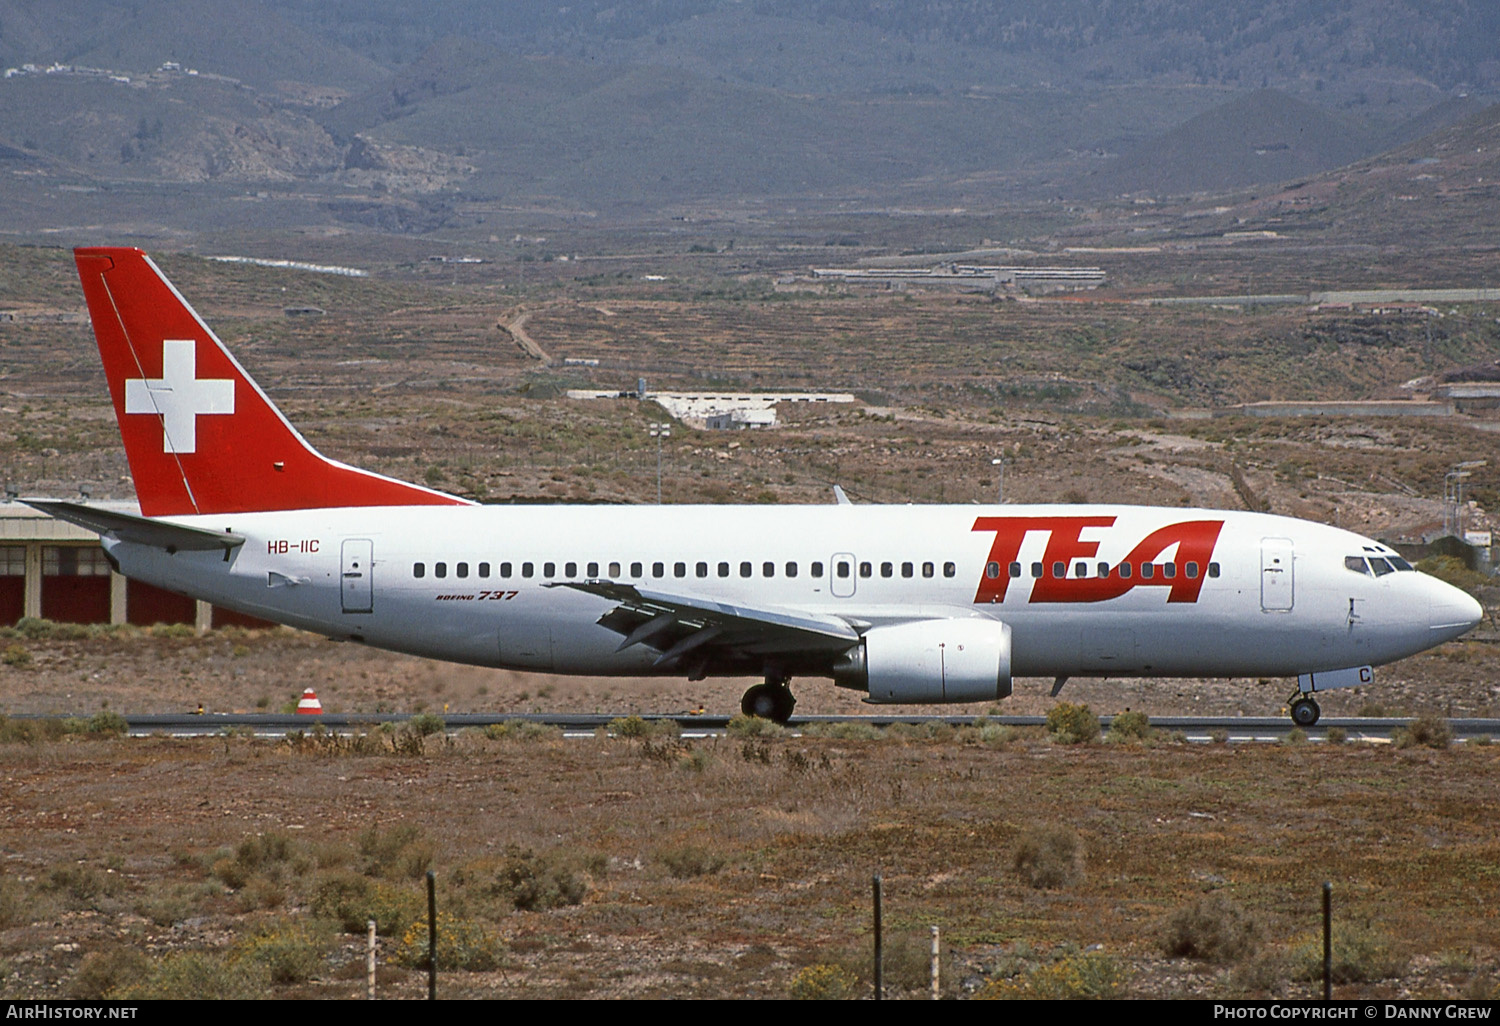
1304 710
772 700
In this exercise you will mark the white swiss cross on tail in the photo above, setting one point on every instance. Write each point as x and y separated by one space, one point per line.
179 396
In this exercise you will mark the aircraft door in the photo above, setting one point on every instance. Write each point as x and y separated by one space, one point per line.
356 580
1276 583
841 571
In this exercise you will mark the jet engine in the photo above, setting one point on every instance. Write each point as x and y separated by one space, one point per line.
965 660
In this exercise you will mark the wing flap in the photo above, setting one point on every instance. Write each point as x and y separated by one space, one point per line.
679 626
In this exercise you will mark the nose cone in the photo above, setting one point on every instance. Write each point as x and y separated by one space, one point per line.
1451 612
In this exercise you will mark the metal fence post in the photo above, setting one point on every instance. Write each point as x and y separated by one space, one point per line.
432 938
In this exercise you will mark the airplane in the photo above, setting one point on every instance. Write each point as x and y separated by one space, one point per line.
909 604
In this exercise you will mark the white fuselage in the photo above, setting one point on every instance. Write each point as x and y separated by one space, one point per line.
1268 596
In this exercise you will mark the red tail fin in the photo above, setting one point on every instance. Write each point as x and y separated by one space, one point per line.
200 434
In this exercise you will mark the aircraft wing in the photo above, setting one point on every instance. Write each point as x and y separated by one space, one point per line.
161 534
692 631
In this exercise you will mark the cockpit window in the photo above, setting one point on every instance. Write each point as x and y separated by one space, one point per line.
1399 563
1381 566
1357 564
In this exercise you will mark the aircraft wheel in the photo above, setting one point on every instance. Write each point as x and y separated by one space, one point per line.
1305 712
773 702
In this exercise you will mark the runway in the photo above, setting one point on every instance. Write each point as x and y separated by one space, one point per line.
1193 728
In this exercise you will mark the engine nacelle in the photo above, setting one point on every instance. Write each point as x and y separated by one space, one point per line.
957 660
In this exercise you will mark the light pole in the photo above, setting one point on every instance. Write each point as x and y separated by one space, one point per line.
1453 495
999 465
658 432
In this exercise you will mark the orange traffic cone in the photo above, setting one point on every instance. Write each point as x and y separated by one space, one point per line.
309 706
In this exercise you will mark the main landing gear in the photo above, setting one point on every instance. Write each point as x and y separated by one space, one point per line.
772 701
1304 709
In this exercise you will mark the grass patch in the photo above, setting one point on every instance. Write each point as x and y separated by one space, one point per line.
1212 929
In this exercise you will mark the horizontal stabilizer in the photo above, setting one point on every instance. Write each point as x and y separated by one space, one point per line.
130 527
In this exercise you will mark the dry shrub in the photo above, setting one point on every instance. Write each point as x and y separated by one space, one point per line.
1425 732
103 973
1361 954
461 944
107 721
741 725
1212 929
690 860
1071 724
12 903
352 901
289 952
522 730
1129 726
397 853
823 982
1091 976
80 884
198 976
905 963
1049 857
535 882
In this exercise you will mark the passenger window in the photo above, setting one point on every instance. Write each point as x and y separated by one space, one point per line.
1148 570
927 569
1080 569
907 570
549 569
679 569
527 569
462 570
723 569
614 570
418 570
1103 569
1015 569
701 569
505 569
768 569
746 569
440 569
636 569
887 569
1124 569
840 570
593 570
950 569
1169 570
866 569
660 570
1059 570
1036 570
992 570
1191 570
569 570
791 569
1213 570
484 569
817 569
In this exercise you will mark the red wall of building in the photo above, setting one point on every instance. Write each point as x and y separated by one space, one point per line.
70 599
146 604
12 599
